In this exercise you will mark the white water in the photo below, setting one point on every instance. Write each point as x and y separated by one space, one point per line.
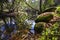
32 29
32 22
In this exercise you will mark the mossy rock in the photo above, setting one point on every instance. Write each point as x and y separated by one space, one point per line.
39 27
44 18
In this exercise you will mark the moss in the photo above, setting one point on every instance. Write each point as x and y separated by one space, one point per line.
39 27
44 18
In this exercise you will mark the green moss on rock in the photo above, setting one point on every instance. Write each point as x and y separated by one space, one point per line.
39 27
44 18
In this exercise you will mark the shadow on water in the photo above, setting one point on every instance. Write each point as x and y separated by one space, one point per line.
12 24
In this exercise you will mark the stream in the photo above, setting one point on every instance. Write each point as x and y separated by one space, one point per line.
32 22
5 37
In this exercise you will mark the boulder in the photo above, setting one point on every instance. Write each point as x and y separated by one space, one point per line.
44 17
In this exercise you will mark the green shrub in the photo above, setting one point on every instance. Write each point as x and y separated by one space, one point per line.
21 17
58 10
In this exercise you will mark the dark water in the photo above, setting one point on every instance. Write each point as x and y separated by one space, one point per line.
2 29
13 25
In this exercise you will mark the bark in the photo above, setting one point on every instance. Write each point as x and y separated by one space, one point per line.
40 6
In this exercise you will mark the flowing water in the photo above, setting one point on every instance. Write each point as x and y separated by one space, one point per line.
32 22
12 24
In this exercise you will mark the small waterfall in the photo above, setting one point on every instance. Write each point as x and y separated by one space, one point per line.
32 27
32 22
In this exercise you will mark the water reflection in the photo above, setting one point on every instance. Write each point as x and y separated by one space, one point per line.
32 29
13 25
2 29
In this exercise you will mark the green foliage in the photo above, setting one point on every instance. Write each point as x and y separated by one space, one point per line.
44 18
33 3
58 8
21 17
55 27
20 20
51 32
47 4
41 19
50 2
57 11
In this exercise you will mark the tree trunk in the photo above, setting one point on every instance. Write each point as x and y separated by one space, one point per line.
40 6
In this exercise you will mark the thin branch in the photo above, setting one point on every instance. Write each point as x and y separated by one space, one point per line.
40 6
51 9
30 6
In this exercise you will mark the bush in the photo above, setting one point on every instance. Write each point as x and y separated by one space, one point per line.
58 10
